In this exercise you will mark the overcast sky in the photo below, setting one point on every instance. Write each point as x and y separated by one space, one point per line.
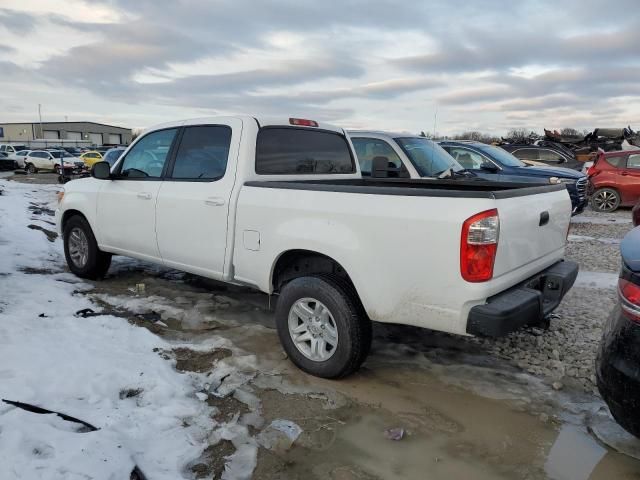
482 65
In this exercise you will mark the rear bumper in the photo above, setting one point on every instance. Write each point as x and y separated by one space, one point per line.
618 370
526 303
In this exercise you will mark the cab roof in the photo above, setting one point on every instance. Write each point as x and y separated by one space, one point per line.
262 121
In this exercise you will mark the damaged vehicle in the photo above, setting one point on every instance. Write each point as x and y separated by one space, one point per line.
543 156
280 205
7 163
618 361
615 180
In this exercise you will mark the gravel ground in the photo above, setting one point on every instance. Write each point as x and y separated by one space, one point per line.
565 354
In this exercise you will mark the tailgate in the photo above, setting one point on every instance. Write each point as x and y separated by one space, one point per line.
532 227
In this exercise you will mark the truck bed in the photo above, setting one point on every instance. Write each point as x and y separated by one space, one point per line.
399 240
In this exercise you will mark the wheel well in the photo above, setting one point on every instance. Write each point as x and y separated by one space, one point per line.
300 263
68 214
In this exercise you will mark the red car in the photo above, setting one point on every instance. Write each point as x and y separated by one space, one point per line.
615 180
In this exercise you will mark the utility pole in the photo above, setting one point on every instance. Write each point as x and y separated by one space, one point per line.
40 117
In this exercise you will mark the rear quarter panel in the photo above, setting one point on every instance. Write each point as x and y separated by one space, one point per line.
401 252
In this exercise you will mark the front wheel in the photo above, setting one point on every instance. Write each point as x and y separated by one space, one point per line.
605 200
81 251
31 168
322 326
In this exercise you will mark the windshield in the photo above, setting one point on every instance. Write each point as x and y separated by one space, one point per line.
60 154
428 158
501 156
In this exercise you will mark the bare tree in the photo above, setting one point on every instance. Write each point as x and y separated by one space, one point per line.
519 133
476 136
569 132
135 133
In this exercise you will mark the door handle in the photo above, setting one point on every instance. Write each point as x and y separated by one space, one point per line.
214 201
144 195
624 174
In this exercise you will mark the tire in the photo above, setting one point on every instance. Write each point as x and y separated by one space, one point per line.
345 316
605 200
627 418
91 263
31 168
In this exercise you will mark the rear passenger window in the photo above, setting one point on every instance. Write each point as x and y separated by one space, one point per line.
203 153
301 151
633 161
617 161
527 154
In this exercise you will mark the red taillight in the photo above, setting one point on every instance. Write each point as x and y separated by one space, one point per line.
629 299
303 122
478 246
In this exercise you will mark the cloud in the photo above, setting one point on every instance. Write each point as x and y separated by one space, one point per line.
378 64
16 21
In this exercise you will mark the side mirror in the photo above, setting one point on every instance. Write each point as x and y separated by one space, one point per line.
489 167
560 160
382 168
101 171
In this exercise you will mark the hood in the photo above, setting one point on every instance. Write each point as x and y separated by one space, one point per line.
559 172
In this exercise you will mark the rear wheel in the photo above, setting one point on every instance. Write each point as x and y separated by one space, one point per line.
605 200
81 251
31 168
322 326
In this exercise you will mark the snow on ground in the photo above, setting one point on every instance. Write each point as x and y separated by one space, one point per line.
101 369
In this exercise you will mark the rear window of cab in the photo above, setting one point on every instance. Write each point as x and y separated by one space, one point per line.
298 151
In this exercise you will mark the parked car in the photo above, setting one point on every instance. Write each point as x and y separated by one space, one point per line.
545 155
7 163
9 149
615 180
281 206
49 160
388 155
91 157
495 163
112 155
19 157
618 360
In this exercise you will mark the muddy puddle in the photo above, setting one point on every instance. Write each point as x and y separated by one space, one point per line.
461 413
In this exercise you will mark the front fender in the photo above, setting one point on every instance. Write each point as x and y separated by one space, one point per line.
80 196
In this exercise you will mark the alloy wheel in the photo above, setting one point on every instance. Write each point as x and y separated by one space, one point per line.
78 247
605 200
313 329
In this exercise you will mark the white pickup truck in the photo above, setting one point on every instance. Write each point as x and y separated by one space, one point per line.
281 206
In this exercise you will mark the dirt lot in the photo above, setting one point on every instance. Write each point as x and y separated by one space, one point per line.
518 407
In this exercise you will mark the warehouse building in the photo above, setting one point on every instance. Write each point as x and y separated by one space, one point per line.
95 133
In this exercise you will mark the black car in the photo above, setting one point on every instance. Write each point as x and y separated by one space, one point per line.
618 360
7 163
550 156
496 164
